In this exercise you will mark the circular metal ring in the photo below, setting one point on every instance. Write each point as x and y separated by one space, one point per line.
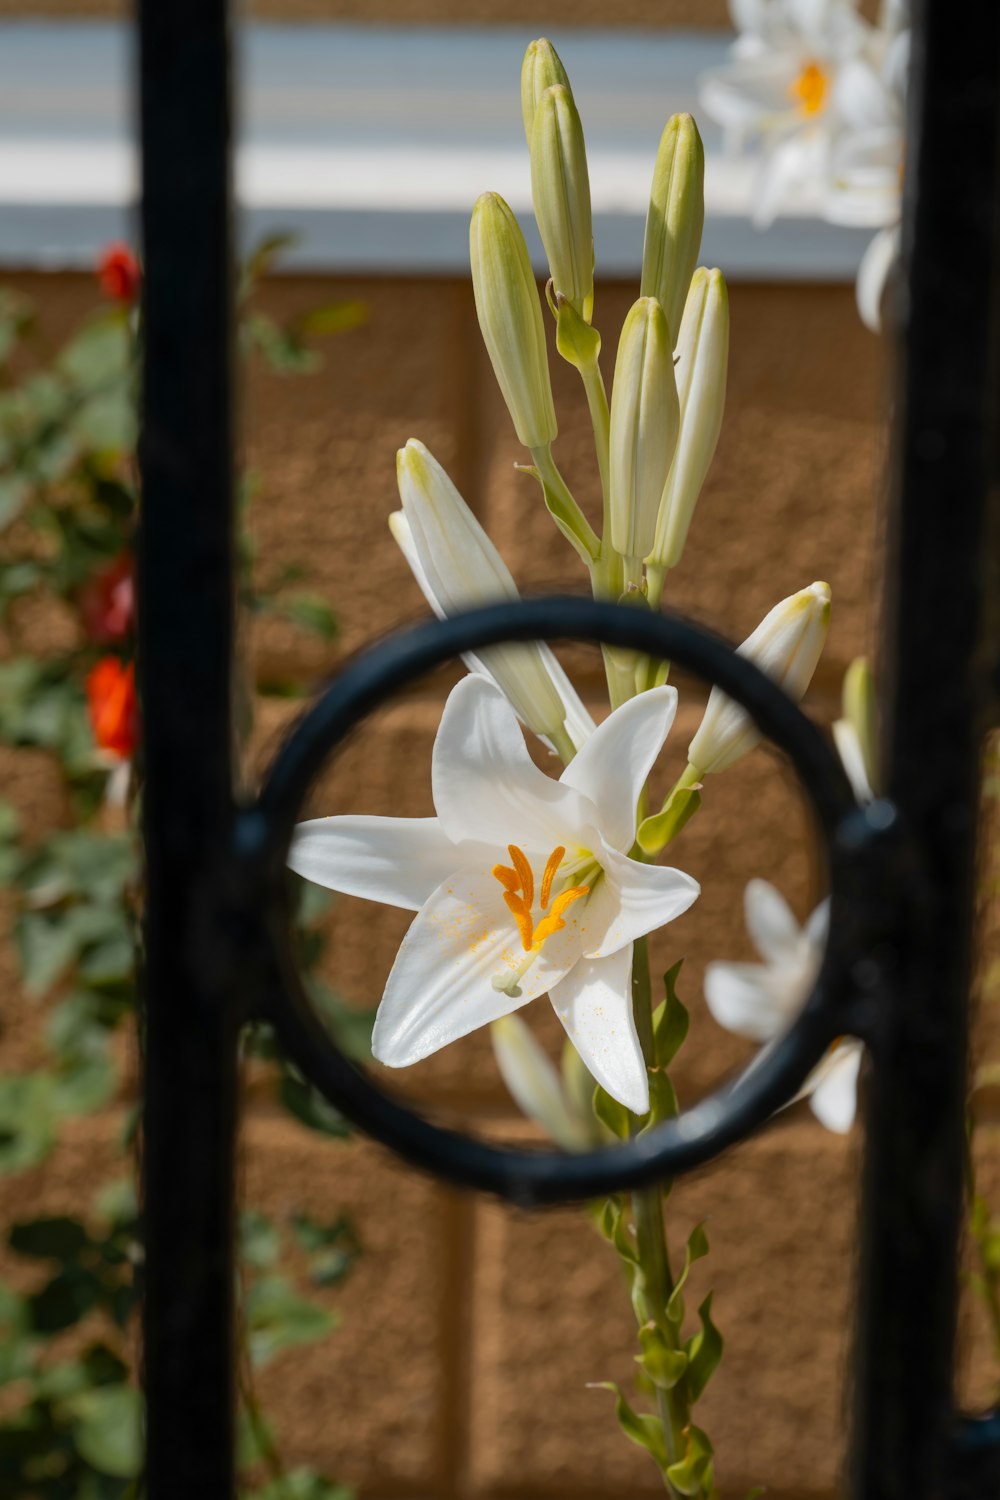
528 1176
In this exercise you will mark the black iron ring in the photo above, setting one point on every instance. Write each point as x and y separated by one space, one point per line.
849 835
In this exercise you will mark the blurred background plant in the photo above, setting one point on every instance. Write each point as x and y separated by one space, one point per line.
70 1427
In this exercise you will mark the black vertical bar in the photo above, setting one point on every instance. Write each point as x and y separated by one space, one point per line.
186 593
937 704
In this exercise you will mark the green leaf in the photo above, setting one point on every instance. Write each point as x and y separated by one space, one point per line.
108 1430
57 1238
689 1475
656 832
696 1248
311 613
46 947
670 1020
278 1318
303 1484
704 1352
577 342
27 1119
332 1248
335 317
65 1300
260 1242
663 1365
309 1107
612 1114
645 1430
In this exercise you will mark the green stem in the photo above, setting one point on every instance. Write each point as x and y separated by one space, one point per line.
655 580
650 1234
563 507
600 419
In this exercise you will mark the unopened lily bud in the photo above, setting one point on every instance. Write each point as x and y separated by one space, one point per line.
856 734
458 567
510 317
540 70
535 1084
786 646
560 190
702 362
644 418
676 217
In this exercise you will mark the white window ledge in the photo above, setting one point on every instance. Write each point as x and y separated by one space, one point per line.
372 143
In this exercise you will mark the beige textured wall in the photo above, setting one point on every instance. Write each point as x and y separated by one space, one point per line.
470 1331
416 12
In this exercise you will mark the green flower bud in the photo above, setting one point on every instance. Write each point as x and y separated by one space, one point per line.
676 217
787 645
702 361
560 190
510 317
644 419
539 71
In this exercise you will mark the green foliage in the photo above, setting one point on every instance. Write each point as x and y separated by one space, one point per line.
71 1428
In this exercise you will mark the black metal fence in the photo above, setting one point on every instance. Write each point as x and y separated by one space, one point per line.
897 968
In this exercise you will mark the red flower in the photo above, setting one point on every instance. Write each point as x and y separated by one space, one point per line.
114 711
119 274
107 601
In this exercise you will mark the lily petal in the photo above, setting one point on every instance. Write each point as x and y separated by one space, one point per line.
631 900
742 1000
594 1004
834 1087
441 985
873 272
486 786
398 861
612 767
770 922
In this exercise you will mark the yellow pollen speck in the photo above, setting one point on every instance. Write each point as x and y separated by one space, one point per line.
810 89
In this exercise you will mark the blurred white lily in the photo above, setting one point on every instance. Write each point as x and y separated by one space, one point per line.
537 1087
522 885
791 77
760 1001
458 567
855 733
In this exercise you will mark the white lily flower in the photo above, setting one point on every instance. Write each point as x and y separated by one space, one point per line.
522 885
786 645
457 567
761 1001
855 733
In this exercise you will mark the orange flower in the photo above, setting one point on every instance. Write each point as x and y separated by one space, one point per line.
119 274
111 701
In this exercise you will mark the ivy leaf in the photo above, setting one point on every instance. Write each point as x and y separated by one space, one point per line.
704 1352
46 948
27 1119
645 1430
278 1318
335 317
57 1238
303 1484
260 1242
108 1430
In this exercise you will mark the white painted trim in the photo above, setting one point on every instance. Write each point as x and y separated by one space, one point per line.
373 143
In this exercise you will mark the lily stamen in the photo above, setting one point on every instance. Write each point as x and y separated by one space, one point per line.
549 873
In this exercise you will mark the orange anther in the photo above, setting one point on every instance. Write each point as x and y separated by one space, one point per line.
522 916
521 865
509 879
549 874
809 89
